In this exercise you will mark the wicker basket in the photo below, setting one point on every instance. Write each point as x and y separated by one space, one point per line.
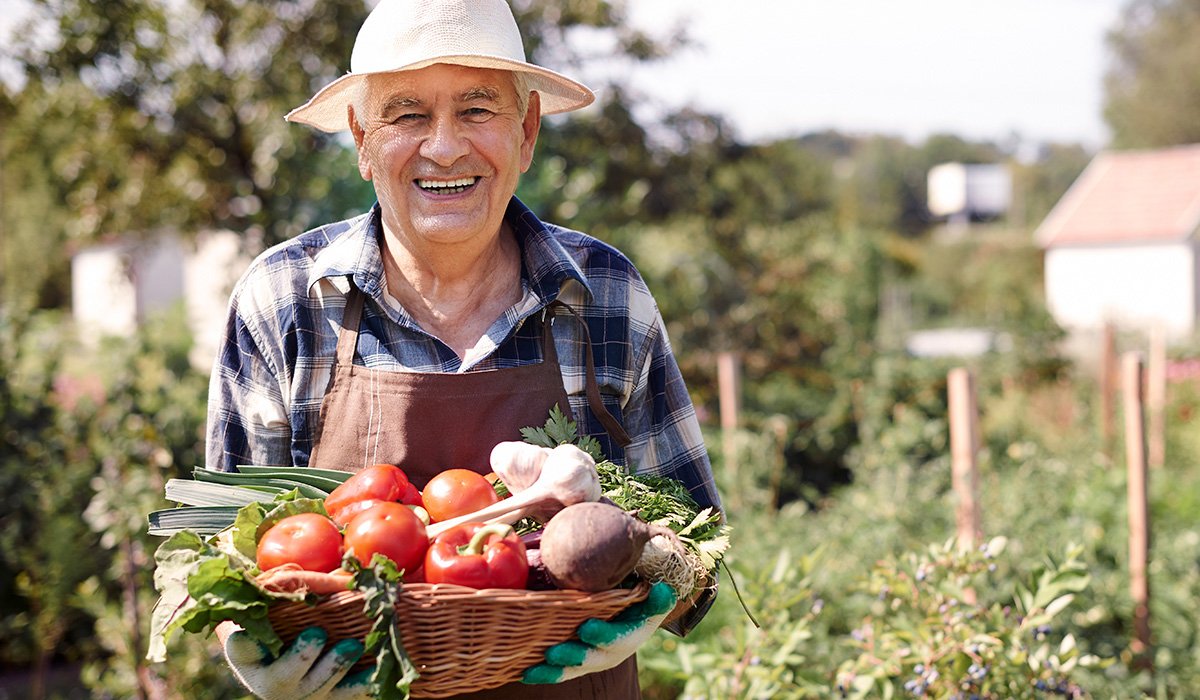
463 640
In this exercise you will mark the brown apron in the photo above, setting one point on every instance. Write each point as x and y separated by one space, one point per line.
429 422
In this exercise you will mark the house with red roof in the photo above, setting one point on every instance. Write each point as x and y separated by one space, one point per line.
1121 245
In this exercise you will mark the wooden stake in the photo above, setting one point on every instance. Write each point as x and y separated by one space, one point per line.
1139 521
1156 397
964 449
1108 353
729 388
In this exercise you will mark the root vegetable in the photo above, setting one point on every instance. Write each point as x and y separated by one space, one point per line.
668 559
290 578
594 546
568 476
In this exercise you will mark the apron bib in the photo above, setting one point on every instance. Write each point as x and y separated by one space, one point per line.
429 422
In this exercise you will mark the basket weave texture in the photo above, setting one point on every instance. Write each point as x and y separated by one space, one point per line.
463 640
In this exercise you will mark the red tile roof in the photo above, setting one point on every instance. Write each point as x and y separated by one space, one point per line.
1129 197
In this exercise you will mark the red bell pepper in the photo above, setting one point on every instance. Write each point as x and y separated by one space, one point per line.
478 556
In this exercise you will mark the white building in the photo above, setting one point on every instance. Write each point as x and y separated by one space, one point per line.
957 190
116 286
1120 246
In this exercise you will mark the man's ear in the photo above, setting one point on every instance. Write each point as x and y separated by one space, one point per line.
356 130
531 126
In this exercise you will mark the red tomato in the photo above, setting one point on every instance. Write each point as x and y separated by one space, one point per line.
381 482
390 529
309 540
457 492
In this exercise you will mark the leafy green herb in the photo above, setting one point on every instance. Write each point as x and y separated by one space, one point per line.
204 582
657 499
560 430
380 585
200 586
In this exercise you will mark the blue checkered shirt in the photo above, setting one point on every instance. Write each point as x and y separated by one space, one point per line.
275 360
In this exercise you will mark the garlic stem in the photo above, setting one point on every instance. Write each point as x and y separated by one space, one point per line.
567 476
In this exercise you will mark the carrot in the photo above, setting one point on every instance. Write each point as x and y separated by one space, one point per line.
290 578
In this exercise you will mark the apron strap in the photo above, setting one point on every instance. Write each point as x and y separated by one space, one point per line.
615 430
348 333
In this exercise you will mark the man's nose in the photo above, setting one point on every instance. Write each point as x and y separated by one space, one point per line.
445 142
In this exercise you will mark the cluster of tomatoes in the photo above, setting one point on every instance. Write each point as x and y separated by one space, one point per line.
378 511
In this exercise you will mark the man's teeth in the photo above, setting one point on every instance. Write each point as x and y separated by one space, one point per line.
446 186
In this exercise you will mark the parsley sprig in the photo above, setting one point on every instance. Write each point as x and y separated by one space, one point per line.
380 585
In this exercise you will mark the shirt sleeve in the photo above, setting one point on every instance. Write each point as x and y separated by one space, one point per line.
662 423
667 441
247 416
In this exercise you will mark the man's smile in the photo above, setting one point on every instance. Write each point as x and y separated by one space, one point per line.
454 186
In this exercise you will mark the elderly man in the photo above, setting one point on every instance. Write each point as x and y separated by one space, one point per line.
447 317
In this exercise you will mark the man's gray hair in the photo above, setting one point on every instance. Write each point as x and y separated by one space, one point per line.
520 83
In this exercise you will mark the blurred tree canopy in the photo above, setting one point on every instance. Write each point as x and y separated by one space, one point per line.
1152 89
141 116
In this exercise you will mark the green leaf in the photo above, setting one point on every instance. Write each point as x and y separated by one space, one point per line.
245 528
380 585
201 586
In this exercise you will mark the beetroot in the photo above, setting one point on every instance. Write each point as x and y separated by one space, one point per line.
593 546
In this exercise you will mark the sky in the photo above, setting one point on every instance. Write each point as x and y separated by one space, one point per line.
981 69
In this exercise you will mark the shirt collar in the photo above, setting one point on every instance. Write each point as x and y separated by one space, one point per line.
547 263
354 252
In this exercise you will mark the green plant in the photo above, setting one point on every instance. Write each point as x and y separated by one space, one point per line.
943 628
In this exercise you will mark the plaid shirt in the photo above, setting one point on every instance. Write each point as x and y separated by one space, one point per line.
274 364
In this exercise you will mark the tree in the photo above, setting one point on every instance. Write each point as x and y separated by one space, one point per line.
142 115
1152 89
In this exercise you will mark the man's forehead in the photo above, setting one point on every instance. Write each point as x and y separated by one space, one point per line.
425 84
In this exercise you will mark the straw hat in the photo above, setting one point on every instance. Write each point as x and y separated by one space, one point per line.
402 35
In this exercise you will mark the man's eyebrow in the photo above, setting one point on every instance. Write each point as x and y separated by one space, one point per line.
397 102
480 92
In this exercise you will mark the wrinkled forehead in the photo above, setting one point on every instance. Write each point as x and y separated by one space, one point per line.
436 82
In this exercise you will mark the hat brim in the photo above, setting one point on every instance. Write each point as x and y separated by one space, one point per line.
327 109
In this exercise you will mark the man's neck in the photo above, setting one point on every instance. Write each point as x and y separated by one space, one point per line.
455 294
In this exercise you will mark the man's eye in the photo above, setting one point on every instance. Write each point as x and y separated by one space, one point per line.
477 113
408 117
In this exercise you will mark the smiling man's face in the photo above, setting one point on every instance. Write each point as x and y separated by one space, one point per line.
444 146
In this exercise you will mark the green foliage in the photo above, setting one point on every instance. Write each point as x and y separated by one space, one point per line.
943 628
1152 89
90 434
797 301
46 549
776 660
147 116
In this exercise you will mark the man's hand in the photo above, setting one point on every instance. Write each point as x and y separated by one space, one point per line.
605 644
302 671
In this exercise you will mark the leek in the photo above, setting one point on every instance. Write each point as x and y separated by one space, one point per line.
203 520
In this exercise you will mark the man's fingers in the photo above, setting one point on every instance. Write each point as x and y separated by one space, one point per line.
331 668
353 686
242 649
